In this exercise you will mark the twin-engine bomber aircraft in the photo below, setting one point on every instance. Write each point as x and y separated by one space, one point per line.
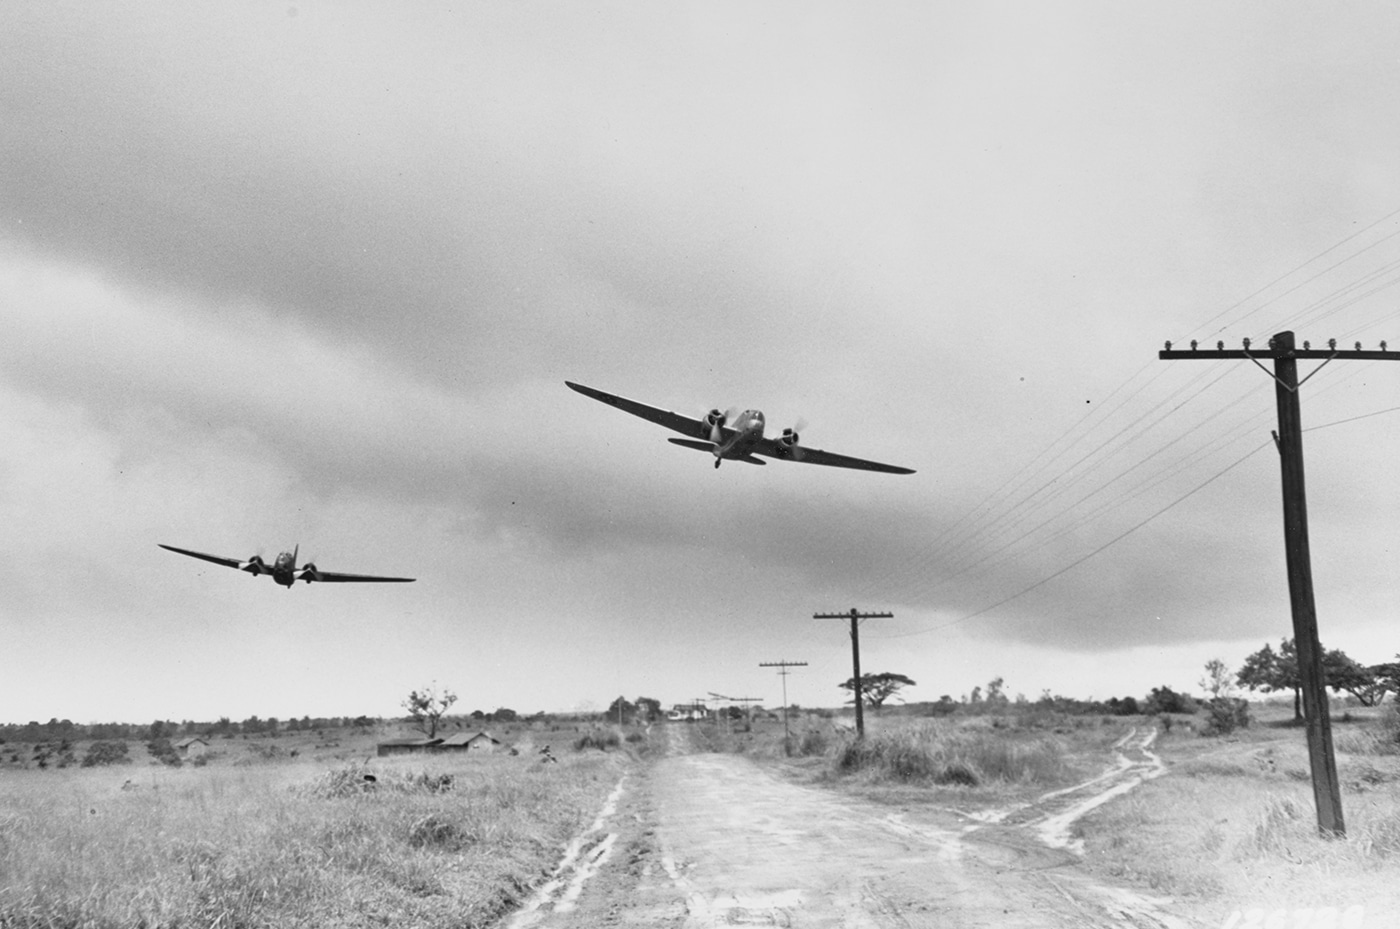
740 441
284 569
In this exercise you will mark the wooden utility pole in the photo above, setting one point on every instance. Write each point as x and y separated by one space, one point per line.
855 616
747 708
782 667
1289 438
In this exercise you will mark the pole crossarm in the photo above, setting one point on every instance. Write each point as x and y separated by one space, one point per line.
853 614
1273 351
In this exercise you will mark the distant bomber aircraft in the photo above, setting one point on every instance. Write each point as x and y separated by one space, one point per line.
284 569
741 441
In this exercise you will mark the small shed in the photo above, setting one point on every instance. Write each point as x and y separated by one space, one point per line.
471 742
193 747
407 747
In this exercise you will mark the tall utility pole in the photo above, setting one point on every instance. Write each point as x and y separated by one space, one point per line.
855 616
1289 439
782 667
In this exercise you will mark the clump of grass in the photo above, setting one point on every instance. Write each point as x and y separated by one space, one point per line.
437 830
958 757
599 739
1208 767
1380 737
1278 825
810 742
355 780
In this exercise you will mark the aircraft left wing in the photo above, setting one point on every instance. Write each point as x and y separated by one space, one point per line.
772 448
686 426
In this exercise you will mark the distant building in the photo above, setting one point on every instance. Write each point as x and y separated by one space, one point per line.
474 742
687 712
193 747
407 747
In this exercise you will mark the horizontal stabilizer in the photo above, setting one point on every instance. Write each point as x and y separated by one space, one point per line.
695 444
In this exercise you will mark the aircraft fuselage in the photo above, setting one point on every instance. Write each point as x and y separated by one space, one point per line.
748 432
284 569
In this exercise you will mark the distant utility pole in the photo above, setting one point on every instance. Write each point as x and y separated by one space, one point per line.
746 701
855 616
782 667
1289 439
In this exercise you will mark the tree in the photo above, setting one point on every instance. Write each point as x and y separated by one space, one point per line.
648 708
1364 683
875 689
1165 700
1268 670
427 707
1389 675
995 697
1217 681
619 711
1128 706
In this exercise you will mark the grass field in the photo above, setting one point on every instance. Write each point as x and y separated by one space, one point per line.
1234 820
261 838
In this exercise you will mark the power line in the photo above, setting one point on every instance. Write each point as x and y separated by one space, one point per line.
1079 561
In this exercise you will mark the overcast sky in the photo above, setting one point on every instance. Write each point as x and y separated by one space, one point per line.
309 274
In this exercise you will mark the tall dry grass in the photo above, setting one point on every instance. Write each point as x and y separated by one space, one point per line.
947 754
287 846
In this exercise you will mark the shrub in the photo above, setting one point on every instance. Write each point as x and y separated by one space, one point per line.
596 739
811 742
164 752
104 753
1224 715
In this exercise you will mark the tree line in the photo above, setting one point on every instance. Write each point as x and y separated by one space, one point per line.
1269 670
59 729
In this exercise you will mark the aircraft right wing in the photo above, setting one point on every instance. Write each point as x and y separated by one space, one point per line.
236 563
332 576
774 449
686 426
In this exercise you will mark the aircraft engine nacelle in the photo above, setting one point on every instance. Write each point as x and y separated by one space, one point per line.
789 441
255 566
309 573
715 420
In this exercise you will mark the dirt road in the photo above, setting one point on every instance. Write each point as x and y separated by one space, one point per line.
701 840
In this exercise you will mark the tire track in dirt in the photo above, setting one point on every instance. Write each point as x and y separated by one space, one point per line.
583 857
1053 814
706 840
